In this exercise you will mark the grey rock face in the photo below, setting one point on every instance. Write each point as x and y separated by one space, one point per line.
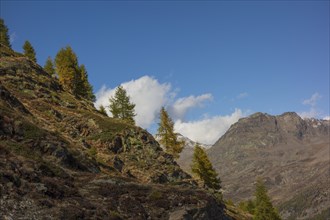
290 153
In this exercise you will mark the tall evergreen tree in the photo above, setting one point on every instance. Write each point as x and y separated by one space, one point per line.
167 137
73 77
203 169
29 51
121 106
66 65
49 66
85 89
263 206
4 36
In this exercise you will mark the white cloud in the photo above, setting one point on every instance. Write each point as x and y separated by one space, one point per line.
242 95
102 97
312 101
149 96
181 106
146 93
327 118
207 130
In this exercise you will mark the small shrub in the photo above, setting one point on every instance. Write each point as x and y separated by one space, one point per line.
114 215
92 151
155 195
32 132
230 202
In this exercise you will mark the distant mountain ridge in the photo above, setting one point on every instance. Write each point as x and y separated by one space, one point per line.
186 155
190 143
290 153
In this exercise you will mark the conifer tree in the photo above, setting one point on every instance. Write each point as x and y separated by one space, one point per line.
167 137
4 36
73 77
121 106
66 65
49 66
203 169
29 51
85 89
103 111
263 206
247 206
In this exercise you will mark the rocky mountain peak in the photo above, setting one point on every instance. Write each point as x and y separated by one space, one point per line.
290 153
261 129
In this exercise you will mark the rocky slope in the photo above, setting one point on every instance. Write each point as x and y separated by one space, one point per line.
290 153
61 159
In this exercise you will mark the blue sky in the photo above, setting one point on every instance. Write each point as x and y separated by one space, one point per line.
207 61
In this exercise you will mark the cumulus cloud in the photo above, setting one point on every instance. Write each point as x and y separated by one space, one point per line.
146 93
149 96
181 106
312 102
207 130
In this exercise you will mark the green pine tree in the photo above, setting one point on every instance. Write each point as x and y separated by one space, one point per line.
167 137
29 51
103 111
121 106
247 206
263 206
4 36
49 66
85 89
203 169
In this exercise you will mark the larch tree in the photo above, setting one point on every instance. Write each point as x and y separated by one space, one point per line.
203 169
73 77
167 137
66 65
49 66
4 36
29 51
121 106
263 206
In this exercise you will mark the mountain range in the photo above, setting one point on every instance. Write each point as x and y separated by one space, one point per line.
291 154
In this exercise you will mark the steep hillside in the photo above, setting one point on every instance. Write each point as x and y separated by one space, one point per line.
61 159
290 153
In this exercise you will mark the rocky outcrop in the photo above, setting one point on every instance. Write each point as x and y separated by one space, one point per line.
290 153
